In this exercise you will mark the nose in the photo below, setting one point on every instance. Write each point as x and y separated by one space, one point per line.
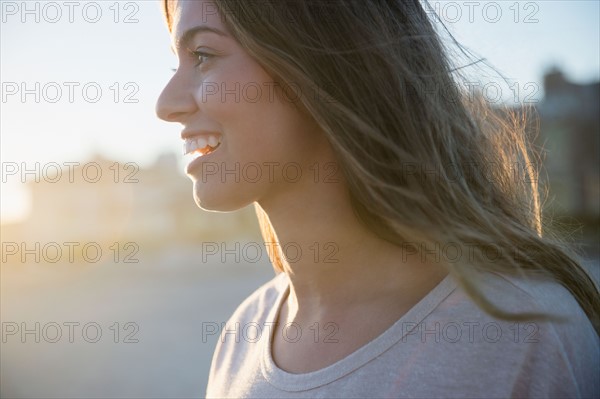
176 100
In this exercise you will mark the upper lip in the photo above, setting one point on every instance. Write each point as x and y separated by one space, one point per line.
187 134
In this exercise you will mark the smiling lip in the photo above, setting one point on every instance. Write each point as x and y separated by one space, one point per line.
186 134
199 144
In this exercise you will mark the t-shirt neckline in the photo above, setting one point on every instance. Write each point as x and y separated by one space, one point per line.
314 379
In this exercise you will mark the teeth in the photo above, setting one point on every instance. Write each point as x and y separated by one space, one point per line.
201 145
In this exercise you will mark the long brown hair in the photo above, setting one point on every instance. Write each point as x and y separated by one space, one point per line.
426 162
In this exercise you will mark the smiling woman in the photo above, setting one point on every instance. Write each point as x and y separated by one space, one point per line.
418 258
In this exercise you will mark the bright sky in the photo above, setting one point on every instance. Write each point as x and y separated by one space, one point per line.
133 60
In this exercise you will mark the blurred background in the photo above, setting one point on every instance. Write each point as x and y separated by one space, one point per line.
110 274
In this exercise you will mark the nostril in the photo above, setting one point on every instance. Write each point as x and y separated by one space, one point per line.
174 116
175 109
162 111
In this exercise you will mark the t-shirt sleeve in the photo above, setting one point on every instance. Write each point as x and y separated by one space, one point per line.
559 367
563 358
233 346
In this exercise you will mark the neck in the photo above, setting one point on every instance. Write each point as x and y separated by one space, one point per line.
333 261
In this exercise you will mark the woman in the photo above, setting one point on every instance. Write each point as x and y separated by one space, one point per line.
411 262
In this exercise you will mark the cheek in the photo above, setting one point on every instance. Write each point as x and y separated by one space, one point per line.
269 132
259 122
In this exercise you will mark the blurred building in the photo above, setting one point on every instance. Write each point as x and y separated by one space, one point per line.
106 201
570 134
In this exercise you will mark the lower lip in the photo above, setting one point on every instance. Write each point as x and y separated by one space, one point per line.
196 163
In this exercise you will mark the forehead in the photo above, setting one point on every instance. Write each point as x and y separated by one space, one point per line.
187 14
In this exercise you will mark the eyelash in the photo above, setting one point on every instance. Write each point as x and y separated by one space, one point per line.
196 54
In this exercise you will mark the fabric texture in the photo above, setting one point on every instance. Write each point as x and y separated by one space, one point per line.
444 346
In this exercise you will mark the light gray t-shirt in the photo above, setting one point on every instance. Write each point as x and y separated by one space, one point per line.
444 346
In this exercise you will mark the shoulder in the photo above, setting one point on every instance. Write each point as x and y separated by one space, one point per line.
238 349
529 294
257 306
516 294
536 358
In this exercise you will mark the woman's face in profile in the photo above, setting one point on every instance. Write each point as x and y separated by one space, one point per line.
251 141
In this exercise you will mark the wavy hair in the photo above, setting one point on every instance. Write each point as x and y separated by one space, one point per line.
427 163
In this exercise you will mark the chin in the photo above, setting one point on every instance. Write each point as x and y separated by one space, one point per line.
216 200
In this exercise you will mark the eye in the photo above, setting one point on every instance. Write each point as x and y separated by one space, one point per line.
201 56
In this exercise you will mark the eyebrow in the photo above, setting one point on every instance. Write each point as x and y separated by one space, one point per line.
189 34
